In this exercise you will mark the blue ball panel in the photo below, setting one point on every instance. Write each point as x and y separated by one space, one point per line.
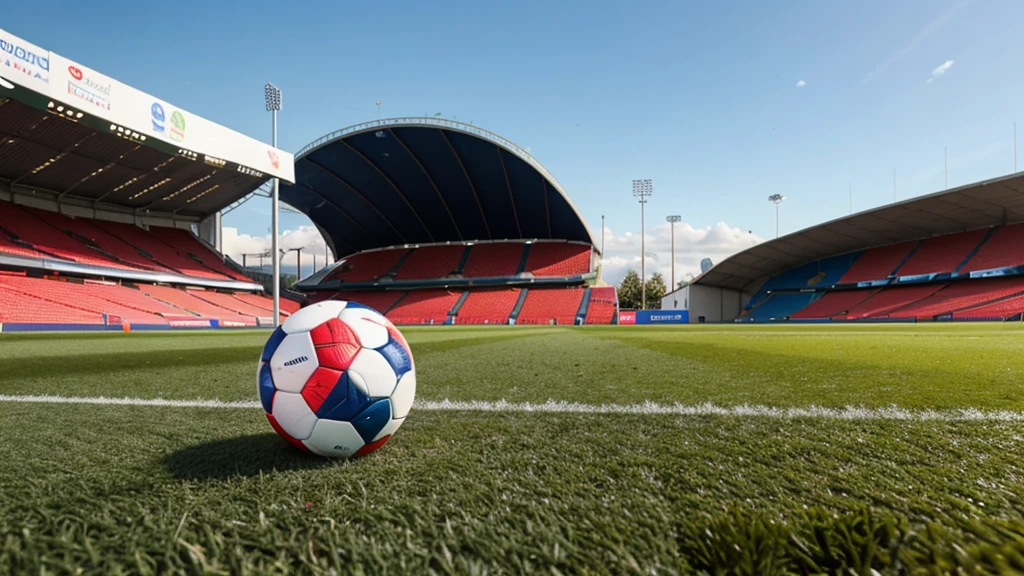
358 306
372 419
344 401
272 343
266 388
397 356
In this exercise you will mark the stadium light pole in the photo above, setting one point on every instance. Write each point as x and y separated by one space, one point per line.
642 189
272 95
776 199
672 222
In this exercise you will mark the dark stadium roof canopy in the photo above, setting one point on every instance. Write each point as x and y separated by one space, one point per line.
43 151
989 203
426 180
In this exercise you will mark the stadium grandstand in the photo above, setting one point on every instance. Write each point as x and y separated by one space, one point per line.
439 222
952 255
110 204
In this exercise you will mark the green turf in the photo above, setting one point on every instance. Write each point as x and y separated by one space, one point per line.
122 489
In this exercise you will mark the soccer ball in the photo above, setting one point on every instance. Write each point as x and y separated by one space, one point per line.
337 379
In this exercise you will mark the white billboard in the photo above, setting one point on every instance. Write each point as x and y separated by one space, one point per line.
24 64
122 106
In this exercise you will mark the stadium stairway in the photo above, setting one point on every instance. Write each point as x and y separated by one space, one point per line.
458 304
524 259
972 253
581 313
513 316
462 261
1004 249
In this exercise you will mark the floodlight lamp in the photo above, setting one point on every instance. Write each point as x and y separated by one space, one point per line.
674 218
273 97
643 188
776 198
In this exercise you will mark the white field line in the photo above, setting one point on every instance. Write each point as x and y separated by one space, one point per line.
557 407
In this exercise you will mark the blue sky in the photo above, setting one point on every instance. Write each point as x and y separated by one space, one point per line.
701 97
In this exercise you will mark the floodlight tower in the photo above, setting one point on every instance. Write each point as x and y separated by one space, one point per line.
642 189
672 221
272 95
776 199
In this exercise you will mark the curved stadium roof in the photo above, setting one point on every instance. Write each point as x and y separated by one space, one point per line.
423 180
990 203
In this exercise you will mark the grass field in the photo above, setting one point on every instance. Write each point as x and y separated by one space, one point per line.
920 470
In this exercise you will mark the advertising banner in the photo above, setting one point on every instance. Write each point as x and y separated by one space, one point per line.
82 87
663 317
37 76
627 317
23 64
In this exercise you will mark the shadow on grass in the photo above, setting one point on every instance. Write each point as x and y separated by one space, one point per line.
243 456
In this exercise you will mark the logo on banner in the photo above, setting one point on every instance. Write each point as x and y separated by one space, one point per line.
627 317
275 160
177 126
25 61
88 89
157 114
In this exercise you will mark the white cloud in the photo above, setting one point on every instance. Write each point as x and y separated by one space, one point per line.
717 242
801 84
928 30
940 70
235 244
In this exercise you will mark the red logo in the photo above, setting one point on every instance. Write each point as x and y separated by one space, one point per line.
75 72
274 159
627 317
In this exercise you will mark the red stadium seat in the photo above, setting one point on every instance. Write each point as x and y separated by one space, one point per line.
555 259
942 253
877 263
493 260
430 262
961 295
367 266
1003 309
488 306
1005 248
602 306
889 299
23 223
834 304
545 304
424 306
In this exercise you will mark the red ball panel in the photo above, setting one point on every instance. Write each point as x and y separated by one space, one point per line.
277 428
336 344
371 447
319 386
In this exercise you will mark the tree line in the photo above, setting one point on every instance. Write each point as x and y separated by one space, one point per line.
630 291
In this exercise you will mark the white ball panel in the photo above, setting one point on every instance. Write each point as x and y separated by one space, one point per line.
334 439
373 370
371 334
294 415
293 362
390 428
312 316
404 394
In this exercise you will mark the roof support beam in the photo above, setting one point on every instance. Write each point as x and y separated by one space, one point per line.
393 186
53 160
361 196
106 167
458 159
508 183
429 179
341 211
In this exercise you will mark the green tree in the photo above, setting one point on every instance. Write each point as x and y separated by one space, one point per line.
655 291
629 291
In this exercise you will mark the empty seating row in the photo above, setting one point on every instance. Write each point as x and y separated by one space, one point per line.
36 233
484 306
602 306
491 260
47 301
